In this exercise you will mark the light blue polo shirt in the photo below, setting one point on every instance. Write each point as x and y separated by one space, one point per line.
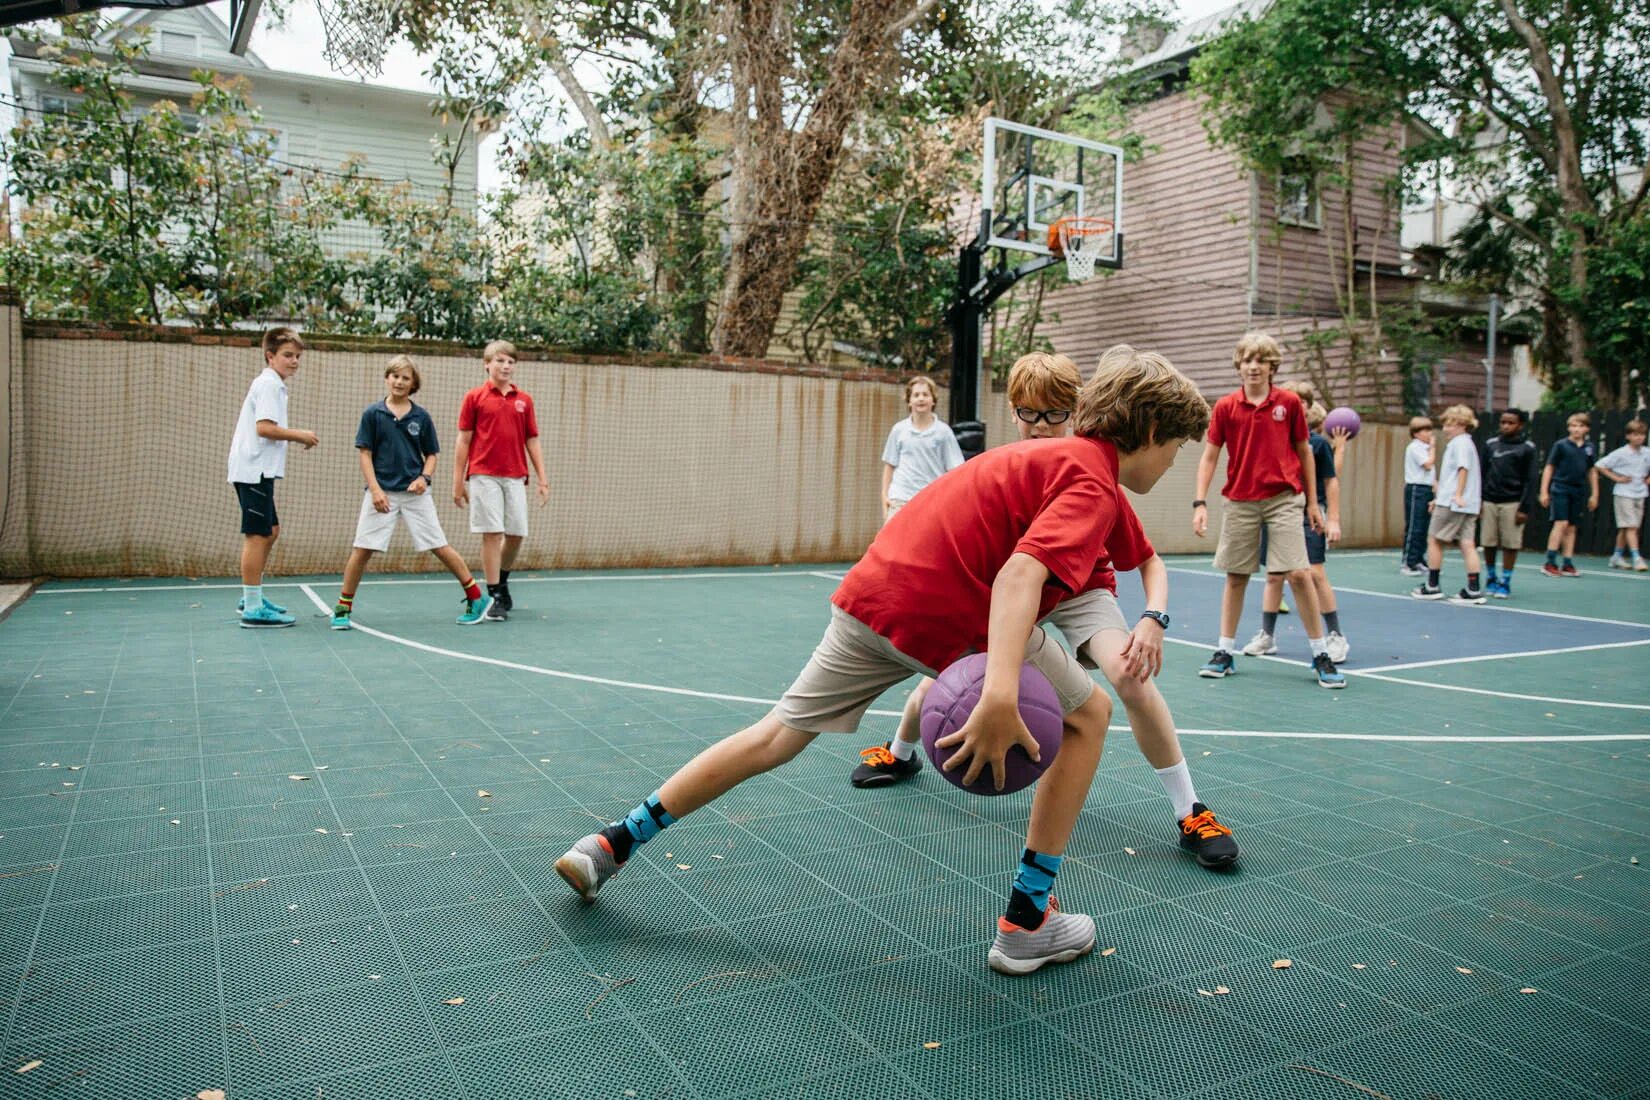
919 457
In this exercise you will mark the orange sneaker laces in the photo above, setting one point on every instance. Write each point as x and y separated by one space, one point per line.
877 756
1204 825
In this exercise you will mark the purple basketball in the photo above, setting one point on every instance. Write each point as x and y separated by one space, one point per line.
1342 417
951 700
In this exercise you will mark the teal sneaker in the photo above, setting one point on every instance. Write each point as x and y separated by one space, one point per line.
1218 666
340 619
240 605
261 618
474 610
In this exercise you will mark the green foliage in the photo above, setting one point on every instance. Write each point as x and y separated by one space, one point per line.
1617 312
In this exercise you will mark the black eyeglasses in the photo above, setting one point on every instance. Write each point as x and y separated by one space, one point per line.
1033 416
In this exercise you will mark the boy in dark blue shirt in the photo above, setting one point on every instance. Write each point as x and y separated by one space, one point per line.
1510 478
397 447
1568 477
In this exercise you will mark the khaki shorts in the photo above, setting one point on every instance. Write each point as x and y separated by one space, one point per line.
853 664
1239 550
374 528
1451 527
1082 617
498 504
1629 512
1500 526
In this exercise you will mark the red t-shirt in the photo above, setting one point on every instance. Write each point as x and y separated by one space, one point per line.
1127 547
502 424
925 583
1260 444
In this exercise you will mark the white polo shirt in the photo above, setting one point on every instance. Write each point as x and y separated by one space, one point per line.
251 456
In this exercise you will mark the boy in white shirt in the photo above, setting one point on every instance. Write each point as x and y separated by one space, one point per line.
1455 507
1628 467
1417 494
919 449
257 459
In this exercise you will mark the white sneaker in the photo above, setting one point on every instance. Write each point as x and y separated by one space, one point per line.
1337 646
1619 563
1261 645
1411 571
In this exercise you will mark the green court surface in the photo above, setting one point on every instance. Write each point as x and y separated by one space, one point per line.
268 862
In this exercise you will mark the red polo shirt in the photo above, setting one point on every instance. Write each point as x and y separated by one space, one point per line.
925 583
1260 444
1127 547
501 424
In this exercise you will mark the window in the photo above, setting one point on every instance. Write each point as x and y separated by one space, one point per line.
180 44
1298 200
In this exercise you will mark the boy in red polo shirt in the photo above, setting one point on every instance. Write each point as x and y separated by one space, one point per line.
971 563
497 436
1269 474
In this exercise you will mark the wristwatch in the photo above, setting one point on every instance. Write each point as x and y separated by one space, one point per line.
1161 618
1196 504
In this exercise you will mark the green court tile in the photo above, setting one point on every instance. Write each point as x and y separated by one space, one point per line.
1270 914
1634 817
268 965
625 785
17 928
1257 803
1506 847
1168 941
488 931
1602 839
1238 766
324 736
231 765
743 891
21 784
274 857
1081 888
1617 881
1611 985
20 757
1480 937
1164 871
117 924
867 873
263 822
875 1078
1372 897
1540 797
1162 1037
392 808
25 885
576 1064
503 798
293 900
1462 876
1041 1063
470 744
131 873
1304 1010
216 740
952 914
483 772
1096 834
1425 1060
137 801
1402 971
815 942
169 1055
1570 913
906 814
1599 1055
144 749
663 756
93 990
322 1032
354 782
1279 1082
426 1078
751 1040
900 1005
29 846
266 790
456 880
512 998
1383 780
972 852
695 964
1487 804
1057 988
418 841
371 754
1407 818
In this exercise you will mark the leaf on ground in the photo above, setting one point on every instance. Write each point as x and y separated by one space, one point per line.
1462 970
26 1066
684 866
453 1001
175 821
1131 851
1634 861
1357 966
1108 951
299 778
930 1046
1219 989
321 831
209 1094
1527 989
484 794
1204 993
1282 964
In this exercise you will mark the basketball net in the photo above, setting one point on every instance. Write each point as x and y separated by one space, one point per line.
357 33
1080 241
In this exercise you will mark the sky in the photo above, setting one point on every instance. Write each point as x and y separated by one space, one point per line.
297 48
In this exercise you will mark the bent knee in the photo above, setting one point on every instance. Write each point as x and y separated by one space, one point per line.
1092 718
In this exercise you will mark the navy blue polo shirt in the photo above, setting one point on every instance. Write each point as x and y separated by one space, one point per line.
398 446
1570 464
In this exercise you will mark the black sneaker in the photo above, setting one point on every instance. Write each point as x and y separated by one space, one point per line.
496 613
1209 841
878 767
504 599
1468 596
1427 592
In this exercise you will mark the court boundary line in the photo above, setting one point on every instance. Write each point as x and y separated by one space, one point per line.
560 674
1500 656
444 579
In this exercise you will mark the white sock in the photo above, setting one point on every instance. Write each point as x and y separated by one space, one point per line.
252 597
1317 645
1228 644
902 750
1177 781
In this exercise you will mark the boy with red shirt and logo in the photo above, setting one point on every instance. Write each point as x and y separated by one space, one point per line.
1270 473
497 436
971 563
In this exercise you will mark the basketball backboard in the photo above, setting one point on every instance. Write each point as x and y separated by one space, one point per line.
1034 177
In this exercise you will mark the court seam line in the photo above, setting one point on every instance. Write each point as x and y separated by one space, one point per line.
1486 607
499 662
436 580
1499 656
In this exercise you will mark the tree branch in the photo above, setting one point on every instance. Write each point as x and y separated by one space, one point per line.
600 136
1571 187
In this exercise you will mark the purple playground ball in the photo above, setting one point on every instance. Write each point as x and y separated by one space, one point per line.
952 699
1342 417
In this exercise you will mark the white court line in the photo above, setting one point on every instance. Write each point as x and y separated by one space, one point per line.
558 674
1500 656
448 580
1491 607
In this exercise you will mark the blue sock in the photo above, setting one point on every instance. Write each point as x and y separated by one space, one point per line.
1506 575
1569 562
1552 557
638 827
1489 572
1028 901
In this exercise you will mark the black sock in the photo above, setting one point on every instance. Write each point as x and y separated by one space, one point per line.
1024 912
1332 621
492 589
1472 582
504 576
618 836
1269 621
1433 577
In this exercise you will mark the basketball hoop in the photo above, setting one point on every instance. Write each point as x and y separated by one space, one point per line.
1081 241
357 33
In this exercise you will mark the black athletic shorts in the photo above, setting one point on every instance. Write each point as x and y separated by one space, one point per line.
258 507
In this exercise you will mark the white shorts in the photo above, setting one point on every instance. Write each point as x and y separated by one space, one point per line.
1083 617
374 528
498 504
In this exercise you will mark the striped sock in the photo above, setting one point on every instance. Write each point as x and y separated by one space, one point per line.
252 597
1028 901
638 827
472 590
345 604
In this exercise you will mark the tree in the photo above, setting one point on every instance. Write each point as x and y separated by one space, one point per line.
1538 108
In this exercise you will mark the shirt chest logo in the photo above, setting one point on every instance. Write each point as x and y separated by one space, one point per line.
414 428
521 406
1279 412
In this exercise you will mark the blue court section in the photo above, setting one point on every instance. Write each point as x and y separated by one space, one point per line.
308 864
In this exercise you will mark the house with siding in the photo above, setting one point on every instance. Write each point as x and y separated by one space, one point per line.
1216 249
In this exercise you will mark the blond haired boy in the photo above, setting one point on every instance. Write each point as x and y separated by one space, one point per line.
971 563
920 449
1568 478
498 434
1042 396
1456 503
